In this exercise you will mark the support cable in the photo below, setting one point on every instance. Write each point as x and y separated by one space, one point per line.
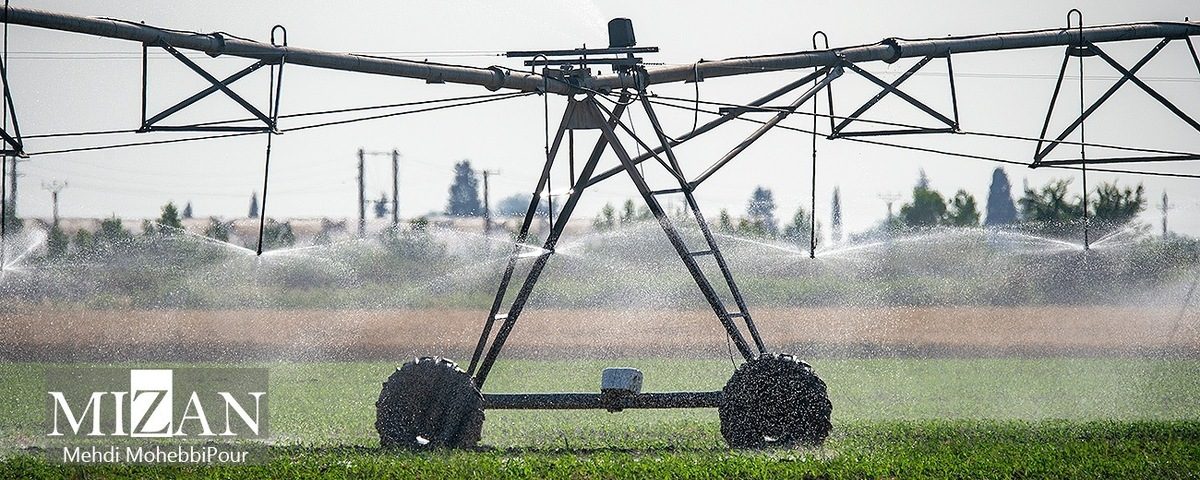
696 112
140 144
945 152
304 127
638 145
293 115
1003 136
485 99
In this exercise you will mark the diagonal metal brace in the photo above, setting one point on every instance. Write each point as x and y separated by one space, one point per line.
893 88
13 144
830 74
269 121
1127 75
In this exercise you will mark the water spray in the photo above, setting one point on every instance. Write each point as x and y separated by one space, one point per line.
431 386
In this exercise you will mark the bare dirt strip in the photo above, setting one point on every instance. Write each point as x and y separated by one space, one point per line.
50 334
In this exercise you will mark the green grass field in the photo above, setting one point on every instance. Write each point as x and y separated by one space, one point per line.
1093 417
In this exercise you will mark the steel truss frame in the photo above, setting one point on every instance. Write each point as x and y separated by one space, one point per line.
952 123
269 119
1086 48
589 113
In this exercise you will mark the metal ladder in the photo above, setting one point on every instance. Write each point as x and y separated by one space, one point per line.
689 256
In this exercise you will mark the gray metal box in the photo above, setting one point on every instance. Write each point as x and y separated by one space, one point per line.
621 380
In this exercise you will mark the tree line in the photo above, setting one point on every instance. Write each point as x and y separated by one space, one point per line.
1048 209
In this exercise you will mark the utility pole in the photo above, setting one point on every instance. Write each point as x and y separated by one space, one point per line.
395 187
1164 207
54 187
362 186
362 198
487 211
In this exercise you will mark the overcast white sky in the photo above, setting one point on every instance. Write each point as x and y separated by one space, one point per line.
68 82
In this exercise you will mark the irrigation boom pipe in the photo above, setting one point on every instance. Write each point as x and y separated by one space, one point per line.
214 44
893 49
496 78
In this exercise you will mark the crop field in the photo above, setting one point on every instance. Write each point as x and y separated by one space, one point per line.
1059 391
942 357
69 334
1065 417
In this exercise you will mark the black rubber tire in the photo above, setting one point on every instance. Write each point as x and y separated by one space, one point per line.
429 403
775 400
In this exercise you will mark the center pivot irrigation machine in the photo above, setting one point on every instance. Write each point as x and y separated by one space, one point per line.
771 398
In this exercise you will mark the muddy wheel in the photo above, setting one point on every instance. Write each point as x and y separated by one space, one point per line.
775 400
429 403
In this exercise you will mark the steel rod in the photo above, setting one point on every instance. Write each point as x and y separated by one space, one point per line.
1126 75
672 233
1080 161
870 103
556 230
713 249
830 76
522 235
737 112
585 400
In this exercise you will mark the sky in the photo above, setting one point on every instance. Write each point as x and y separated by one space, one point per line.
64 82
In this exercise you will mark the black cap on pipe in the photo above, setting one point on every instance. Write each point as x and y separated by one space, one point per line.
620 33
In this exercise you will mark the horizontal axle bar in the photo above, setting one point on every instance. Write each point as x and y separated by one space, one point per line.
604 401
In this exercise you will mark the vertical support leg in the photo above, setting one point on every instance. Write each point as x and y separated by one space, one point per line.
704 227
676 241
480 368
